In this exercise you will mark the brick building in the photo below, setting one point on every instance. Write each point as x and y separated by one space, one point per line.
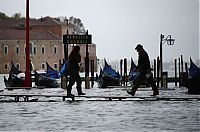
45 42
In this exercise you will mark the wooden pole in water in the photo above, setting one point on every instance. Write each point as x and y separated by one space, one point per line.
175 67
179 71
125 72
154 69
87 79
92 73
28 82
158 71
181 63
121 62
66 59
186 69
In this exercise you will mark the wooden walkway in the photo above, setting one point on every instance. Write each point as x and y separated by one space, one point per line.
38 97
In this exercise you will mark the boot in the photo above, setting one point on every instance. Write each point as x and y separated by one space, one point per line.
155 93
81 93
69 89
79 90
132 92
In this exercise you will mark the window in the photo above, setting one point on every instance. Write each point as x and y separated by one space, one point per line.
55 49
18 66
55 65
6 66
43 50
17 49
34 50
42 65
5 50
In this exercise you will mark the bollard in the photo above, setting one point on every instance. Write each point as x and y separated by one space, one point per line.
87 82
164 82
63 84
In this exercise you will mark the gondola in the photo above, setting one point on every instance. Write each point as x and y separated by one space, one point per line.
51 72
43 81
108 77
133 73
56 74
50 79
193 79
13 80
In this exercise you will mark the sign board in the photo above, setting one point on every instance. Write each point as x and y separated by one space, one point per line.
77 39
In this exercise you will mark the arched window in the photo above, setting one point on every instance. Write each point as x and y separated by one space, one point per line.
55 48
18 66
55 65
43 50
5 50
43 65
5 66
17 50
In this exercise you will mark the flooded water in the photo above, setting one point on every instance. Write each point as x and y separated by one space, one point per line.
92 116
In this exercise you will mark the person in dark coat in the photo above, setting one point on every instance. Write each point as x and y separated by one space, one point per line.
144 72
73 69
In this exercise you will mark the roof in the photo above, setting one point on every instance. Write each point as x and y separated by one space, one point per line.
46 21
20 35
13 23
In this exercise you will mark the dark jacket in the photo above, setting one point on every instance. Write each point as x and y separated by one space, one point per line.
143 62
74 60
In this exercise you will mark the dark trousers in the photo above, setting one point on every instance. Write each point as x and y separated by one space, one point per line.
141 78
74 77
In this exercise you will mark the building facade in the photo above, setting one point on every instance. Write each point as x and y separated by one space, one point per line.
45 44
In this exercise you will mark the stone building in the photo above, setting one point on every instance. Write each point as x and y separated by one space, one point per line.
45 43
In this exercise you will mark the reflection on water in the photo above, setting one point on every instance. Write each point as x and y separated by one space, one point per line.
101 115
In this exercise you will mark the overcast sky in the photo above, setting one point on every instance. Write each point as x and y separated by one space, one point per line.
118 25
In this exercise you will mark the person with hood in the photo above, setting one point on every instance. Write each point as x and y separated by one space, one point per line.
73 70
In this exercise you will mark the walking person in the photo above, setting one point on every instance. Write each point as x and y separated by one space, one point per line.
144 70
73 68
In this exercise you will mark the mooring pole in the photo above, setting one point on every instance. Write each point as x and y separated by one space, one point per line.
154 69
125 72
92 73
175 67
66 59
158 71
87 79
121 63
179 71
28 62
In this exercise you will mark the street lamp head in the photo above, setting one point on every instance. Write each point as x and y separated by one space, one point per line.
170 41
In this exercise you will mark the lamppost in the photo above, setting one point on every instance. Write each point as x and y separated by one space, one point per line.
169 41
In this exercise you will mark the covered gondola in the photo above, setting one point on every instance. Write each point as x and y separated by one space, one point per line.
194 79
133 73
56 74
51 72
44 81
108 77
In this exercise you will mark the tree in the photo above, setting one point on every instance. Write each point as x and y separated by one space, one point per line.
17 15
3 15
78 25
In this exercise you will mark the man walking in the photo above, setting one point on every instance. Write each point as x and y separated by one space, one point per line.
144 72
73 69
